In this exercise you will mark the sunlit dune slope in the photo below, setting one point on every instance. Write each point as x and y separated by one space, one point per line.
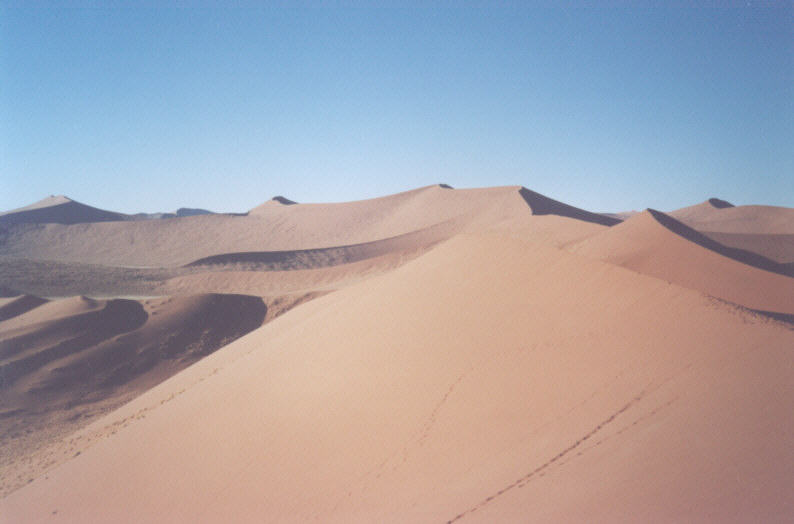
492 378
646 245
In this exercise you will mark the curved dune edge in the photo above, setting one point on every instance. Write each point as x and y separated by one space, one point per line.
645 245
754 219
380 402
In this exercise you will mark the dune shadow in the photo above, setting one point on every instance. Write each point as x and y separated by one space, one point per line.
543 205
68 213
740 255
283 200
117 317
20 305
720 204
774 315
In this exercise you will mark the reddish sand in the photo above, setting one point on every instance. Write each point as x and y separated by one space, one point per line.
489 355
491 379
644 245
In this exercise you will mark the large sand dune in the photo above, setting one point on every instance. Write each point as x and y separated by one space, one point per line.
490 379
482 354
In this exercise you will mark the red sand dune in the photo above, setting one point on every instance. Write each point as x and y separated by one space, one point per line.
491 379
462 355
645 245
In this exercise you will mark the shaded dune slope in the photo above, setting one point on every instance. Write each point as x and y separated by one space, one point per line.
655 244
18 305
712 217
332 256
645 402
543 205
67 361
741 255
765 230
58 210
776 247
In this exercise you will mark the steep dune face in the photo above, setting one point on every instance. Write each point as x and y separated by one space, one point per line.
490 379
543 205
644 244
58 210
67 361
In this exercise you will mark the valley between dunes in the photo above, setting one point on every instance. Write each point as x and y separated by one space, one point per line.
438 355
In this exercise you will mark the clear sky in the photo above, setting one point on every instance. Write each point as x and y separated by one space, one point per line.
608 109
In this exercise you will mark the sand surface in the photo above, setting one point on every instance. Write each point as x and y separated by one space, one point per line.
438 355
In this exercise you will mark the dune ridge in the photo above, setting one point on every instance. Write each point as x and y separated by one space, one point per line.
275 227
646 245
449 414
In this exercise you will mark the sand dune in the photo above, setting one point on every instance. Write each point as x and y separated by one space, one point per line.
722 217
646 244
276 227
59 210
67 361
14 306
482 354
765 230
491 379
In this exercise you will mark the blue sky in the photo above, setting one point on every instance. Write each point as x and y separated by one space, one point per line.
607 109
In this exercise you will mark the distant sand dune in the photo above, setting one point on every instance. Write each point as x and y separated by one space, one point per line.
58 210
655 244
726 218
274 226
